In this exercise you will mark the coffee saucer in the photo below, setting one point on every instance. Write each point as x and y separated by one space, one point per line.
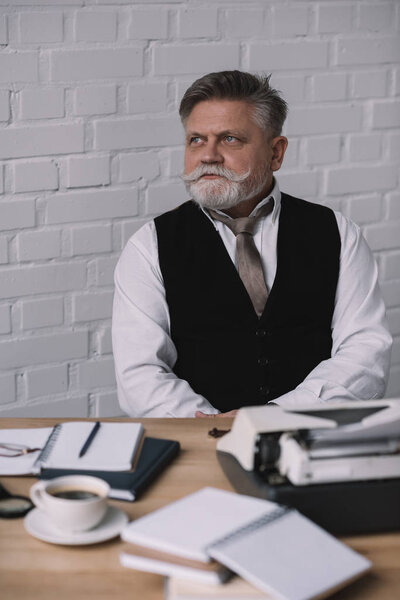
39 525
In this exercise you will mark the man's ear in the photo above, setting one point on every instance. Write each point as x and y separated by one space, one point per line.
278 146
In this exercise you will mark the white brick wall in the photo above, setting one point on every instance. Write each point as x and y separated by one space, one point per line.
91 148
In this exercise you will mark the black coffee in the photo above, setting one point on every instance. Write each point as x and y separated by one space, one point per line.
74 494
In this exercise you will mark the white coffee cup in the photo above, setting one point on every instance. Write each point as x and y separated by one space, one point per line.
72 503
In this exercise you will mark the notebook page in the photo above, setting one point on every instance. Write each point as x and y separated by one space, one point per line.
186 527
290 557
33 438
112 449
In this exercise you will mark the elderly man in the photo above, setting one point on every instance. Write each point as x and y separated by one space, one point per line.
244 295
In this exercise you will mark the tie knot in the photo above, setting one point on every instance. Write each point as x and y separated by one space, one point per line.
243 224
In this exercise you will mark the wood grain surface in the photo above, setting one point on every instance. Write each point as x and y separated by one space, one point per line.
34 570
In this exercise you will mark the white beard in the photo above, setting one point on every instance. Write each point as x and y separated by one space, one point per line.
225 192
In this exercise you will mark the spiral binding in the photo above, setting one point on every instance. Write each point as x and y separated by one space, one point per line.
277 513
48 447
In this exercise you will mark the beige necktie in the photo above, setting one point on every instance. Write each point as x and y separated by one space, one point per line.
248 258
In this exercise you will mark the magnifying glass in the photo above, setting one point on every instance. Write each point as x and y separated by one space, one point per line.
13 506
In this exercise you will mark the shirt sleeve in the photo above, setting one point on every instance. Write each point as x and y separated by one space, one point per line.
144 352
359 366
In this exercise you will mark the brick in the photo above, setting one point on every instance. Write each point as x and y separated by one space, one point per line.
369 84
82 65
384 236
375 17
35 175
42 103
361 179
137 133
394 146
393 387
37 27
41 279
3 250
391 293
196 23
289 21
83 171
3 29
17 214
146 25
287 55
105 267
35 350
386 114
92 306
96 373
137 166
396 351
335 18
299 184
367 51
243 23
72 406
323 150
4 105
131 227
95 26
1 179
291 87
393 206
393 316
46 312
38 245
329 87
21 66
181 59
47 380
397 82
161 198
105 341
365 210
89 240
106 405
37 140
291 155
176 158
332 119
95 100
8 390
391 265
147 97
365 147
90 206
5 318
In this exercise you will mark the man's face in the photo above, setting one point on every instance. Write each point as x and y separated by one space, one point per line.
227 156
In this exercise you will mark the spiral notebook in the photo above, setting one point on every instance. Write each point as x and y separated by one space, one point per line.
276 549
113 448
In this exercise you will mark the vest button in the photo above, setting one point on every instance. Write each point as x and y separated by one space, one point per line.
262 361
261 333
263 390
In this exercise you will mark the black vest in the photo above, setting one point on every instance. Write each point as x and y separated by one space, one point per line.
224 351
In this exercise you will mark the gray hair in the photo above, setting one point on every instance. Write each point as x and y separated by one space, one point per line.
270 110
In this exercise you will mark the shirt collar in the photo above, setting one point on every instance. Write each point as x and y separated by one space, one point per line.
275 195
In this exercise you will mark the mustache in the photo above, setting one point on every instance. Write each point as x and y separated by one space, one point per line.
214 170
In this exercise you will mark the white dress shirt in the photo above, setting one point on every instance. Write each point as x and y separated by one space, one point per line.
145 353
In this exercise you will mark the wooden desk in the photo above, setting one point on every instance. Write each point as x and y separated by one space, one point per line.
34 570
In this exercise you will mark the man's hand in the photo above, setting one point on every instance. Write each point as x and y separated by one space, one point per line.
201 415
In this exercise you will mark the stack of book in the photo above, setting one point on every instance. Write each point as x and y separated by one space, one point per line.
206 537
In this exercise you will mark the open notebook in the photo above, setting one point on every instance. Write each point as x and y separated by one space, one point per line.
113 448
272 547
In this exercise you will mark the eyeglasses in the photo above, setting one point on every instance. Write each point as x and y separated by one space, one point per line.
11 450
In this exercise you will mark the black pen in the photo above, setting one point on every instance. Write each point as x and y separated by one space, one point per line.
90 439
